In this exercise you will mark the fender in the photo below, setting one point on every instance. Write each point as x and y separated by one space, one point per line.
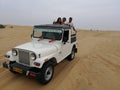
42 60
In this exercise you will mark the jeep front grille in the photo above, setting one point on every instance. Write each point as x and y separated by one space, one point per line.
24 57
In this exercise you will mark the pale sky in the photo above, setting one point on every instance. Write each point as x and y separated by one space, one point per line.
87 14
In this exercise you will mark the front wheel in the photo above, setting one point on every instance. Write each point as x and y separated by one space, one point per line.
72 55
47 72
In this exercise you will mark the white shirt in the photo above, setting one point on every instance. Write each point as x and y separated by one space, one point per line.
70 24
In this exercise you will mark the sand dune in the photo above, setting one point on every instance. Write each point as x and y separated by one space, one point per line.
95 67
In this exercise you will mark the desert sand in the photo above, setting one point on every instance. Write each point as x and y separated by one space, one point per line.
95 67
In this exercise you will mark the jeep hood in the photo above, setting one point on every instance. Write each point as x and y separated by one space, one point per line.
41 47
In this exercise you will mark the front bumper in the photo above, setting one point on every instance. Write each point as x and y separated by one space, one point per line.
22 69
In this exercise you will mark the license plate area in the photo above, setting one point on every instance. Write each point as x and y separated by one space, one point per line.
19 70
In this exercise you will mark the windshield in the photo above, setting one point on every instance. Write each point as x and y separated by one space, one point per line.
55 34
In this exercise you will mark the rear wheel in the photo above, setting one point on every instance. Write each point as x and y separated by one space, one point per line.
47 72
72 55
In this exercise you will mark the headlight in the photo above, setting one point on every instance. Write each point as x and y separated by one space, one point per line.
14 52
33 56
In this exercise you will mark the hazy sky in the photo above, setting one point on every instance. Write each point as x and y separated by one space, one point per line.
87 14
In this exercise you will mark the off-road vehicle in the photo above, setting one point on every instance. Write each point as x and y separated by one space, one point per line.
50 45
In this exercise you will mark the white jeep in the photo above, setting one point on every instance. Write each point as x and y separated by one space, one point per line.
50 45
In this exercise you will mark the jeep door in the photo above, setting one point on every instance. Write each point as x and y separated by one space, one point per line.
66 44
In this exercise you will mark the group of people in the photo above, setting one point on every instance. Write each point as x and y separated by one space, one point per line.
62 21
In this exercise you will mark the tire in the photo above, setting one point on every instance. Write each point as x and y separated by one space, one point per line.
72 55
47 72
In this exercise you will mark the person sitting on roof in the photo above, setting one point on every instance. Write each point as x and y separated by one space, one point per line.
58 21
64 21
71 24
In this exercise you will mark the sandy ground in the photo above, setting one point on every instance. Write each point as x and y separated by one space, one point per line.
95 67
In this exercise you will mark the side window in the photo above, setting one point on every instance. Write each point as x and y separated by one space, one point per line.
66 36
